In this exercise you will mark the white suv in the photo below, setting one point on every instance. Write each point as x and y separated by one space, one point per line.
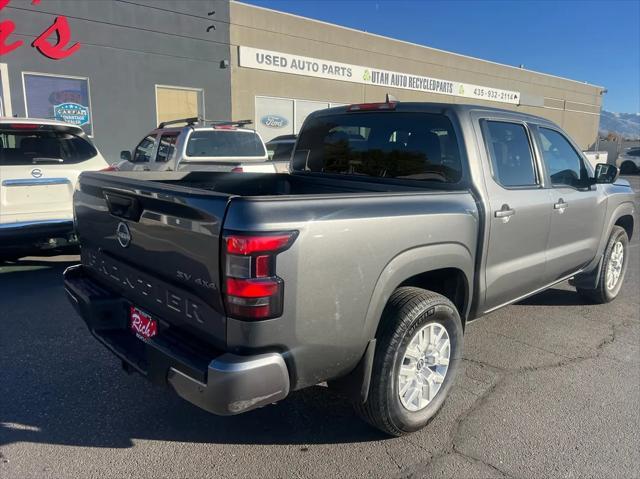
40 161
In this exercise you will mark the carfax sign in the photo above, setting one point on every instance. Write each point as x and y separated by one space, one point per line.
73 113
314 67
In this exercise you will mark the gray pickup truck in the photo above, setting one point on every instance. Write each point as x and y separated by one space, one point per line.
399 224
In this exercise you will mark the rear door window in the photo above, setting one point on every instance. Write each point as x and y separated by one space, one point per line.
510 152
144 150
225 143
402 145
634 153
43 147
166 147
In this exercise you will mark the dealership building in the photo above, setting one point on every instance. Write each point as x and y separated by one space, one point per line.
125 66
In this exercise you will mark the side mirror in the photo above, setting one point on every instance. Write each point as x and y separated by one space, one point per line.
605 173
125 155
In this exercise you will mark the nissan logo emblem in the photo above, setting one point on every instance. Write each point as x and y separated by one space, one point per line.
36 173
123 234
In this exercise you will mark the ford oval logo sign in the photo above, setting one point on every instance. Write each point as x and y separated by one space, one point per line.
274 121
123 234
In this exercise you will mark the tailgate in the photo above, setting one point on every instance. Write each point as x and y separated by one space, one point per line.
157 245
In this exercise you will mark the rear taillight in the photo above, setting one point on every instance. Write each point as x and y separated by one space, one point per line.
237 169
252 291
111 168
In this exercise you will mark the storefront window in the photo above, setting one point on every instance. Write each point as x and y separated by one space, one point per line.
284 116
304 108
274 117
59 98
175 103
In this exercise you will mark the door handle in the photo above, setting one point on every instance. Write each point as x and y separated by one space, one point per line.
560 205
505 212
123 206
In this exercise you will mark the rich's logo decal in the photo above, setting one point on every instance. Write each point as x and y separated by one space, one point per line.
56 48
73 113
274 121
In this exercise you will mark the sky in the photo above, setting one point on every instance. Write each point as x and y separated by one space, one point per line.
593 41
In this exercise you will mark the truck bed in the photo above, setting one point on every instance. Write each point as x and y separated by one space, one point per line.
257 184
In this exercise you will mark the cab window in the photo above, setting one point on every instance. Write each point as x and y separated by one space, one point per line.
400 145
144 150
564 164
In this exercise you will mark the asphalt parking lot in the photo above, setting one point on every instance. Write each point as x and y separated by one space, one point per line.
549 387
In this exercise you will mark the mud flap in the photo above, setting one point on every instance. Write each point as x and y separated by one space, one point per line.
587 280
355 385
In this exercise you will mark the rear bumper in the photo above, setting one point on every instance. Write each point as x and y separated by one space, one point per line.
218 382
29 232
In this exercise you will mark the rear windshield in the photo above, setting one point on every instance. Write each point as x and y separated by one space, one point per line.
416 146
42 147
224 143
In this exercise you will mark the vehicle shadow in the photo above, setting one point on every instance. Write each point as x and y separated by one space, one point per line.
555 297
65 388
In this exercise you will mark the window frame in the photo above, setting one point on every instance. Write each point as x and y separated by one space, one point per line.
152 156
586 166
69 77
5 88
202 102
535 160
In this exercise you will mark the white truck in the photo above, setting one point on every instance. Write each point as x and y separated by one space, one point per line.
199 145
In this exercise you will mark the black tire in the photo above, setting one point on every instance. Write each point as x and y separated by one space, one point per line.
601 294
408 310
628 168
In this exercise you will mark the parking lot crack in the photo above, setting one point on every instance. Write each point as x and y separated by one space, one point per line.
391 455
598 350
482 364
484 463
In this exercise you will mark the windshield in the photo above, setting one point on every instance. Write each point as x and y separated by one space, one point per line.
224 143
33 147
280 150
417 146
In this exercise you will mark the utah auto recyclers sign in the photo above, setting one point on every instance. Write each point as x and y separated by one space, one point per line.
314 67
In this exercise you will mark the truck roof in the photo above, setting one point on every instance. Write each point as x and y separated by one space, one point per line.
430 107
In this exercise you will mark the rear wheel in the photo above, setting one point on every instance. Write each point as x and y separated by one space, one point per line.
628 168
417 354
614 266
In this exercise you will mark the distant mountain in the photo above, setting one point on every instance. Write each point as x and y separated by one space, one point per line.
626 125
